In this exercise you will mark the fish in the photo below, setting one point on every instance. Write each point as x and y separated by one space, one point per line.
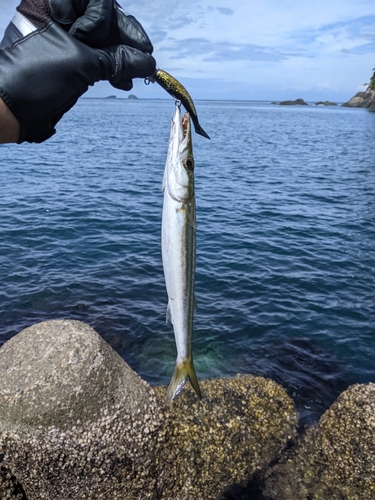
179 92
178 237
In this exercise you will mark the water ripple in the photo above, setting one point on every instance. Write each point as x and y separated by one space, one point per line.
285 240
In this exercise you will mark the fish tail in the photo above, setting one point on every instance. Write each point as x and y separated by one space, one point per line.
183 371
199 130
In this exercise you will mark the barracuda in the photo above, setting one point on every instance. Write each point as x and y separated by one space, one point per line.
178 248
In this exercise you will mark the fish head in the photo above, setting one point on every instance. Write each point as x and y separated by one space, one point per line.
180 161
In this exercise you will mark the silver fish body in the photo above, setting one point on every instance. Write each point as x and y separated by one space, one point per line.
178 248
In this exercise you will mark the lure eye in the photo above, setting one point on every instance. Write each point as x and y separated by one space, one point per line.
189 163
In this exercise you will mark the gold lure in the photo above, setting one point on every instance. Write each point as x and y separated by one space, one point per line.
178 91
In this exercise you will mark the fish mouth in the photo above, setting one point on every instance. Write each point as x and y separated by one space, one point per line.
185 124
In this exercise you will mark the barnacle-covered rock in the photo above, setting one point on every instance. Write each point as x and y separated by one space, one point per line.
75 420
240 425
335 459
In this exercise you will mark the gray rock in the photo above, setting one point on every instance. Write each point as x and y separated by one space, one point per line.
356 101
297 102
362 100
241 425
325 103
10 489
58 372
77 423
335 459
75 420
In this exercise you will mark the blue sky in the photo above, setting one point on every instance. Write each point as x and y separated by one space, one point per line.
255 49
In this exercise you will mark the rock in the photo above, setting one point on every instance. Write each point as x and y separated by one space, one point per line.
132 96
325 103
335 459
362 100
10 489
240 426
293 103
356 101
75 420
111 97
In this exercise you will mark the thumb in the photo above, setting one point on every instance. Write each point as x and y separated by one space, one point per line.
93 26
129 63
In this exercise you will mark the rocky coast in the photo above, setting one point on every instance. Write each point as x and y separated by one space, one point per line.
76 422
363 99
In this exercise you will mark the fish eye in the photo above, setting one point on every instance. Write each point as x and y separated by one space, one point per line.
189 163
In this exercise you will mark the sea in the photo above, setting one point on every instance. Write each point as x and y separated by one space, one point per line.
285 274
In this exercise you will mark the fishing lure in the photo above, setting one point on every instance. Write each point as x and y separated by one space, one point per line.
179 92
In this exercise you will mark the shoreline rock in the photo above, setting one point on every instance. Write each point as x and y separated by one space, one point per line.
241 425
334 459
297 102
362 100
77 422
325 103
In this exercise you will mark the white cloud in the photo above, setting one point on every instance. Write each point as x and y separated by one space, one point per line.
259 47
220 51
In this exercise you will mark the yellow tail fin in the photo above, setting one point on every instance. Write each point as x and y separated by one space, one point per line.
182 372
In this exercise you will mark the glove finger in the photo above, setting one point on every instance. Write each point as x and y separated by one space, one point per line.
93 27
127 30
123 85
131 63
62 11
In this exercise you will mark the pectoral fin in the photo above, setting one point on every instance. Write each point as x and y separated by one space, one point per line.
168 313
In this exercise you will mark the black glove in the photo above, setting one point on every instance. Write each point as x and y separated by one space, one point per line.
44 70
96 23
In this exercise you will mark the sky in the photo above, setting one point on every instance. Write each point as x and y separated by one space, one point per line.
254 49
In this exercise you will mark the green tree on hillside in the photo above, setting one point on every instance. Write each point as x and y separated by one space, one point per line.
372 81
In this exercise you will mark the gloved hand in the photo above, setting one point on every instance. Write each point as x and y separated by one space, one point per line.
44 69
96 23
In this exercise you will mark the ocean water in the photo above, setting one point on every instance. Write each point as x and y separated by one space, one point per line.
285 279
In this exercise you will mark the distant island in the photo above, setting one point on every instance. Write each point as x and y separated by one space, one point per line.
325 103
297 102
130 96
